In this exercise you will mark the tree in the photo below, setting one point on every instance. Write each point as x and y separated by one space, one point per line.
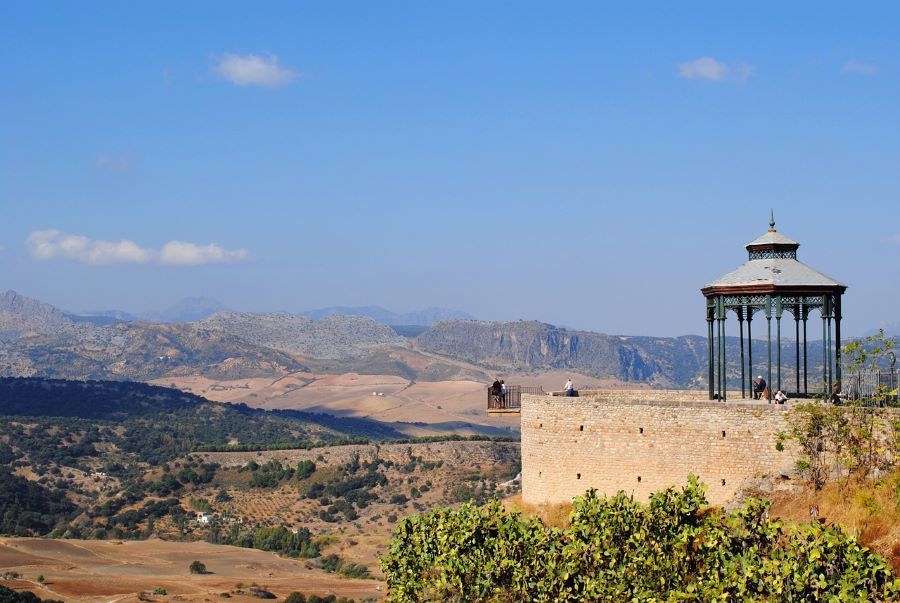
295 597
198 567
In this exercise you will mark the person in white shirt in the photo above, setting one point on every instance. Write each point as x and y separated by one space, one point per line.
780 397
570 389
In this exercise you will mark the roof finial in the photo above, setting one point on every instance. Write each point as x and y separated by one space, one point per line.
772 221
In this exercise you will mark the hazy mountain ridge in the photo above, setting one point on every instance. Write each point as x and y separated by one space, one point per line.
532 345
36 339
333 337
424 318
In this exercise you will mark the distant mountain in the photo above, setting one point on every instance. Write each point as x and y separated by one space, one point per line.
334 336
531 345
20 315
425 317
671 362
188 309
36 339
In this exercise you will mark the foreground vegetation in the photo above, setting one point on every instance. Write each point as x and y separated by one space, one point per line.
616 549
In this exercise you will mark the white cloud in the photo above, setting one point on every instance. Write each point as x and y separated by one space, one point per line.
704 68
253 70
852 66
122 163
894 239
190 254
708 68
46 245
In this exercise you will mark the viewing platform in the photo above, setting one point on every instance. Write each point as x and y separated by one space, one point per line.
512 404
511 401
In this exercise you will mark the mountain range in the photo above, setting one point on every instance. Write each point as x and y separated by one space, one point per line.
192 309
424 318
37 339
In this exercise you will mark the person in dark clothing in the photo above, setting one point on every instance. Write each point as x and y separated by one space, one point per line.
496 390
759 387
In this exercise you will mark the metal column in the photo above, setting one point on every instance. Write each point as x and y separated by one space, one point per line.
837 341
778 311
805 313
769 324
750 346
709 324
740 313
797 342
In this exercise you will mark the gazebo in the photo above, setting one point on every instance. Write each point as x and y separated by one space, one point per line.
773 281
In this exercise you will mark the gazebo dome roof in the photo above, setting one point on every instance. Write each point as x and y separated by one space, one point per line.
772 237
773 266
776 272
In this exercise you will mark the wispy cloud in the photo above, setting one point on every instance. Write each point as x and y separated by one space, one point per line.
180 253
858 67
253 70
46 245
708 68
894 239
121 163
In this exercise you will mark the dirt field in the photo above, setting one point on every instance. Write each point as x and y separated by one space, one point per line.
90 570
413 407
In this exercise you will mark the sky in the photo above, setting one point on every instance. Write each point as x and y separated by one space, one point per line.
582 164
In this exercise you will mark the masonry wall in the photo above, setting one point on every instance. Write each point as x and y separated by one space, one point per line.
644 441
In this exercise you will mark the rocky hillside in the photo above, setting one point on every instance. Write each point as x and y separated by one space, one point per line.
333 337
39 340
20 315
530 345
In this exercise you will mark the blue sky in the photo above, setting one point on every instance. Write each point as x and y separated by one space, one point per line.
585 165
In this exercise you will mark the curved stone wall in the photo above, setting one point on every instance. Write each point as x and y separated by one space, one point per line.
644 441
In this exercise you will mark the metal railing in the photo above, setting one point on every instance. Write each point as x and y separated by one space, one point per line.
512 399
872 386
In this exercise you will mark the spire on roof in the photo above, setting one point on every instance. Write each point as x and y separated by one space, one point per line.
772 220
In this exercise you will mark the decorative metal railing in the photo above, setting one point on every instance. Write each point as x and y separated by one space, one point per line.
872 386
512 400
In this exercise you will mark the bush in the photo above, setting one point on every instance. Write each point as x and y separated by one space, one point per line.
616 549
295 597
198 567
159 590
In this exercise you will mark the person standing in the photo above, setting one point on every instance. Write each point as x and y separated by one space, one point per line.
495 391
570 388
503 393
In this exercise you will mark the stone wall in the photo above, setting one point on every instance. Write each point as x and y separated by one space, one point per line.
644 441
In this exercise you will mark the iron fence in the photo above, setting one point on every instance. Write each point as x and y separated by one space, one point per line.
512 399
872 386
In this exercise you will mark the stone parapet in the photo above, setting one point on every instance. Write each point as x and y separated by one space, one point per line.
642 441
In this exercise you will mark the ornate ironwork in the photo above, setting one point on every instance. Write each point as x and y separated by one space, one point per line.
773 254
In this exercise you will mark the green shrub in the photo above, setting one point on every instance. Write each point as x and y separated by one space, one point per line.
616 549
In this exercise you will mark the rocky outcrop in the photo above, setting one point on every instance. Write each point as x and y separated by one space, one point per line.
669 362
20 315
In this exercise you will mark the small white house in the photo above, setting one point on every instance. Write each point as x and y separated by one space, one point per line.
203 518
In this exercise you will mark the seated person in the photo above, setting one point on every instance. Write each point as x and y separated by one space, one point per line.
780 397
759 387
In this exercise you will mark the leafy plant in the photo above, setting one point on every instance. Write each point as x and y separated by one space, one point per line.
617 549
